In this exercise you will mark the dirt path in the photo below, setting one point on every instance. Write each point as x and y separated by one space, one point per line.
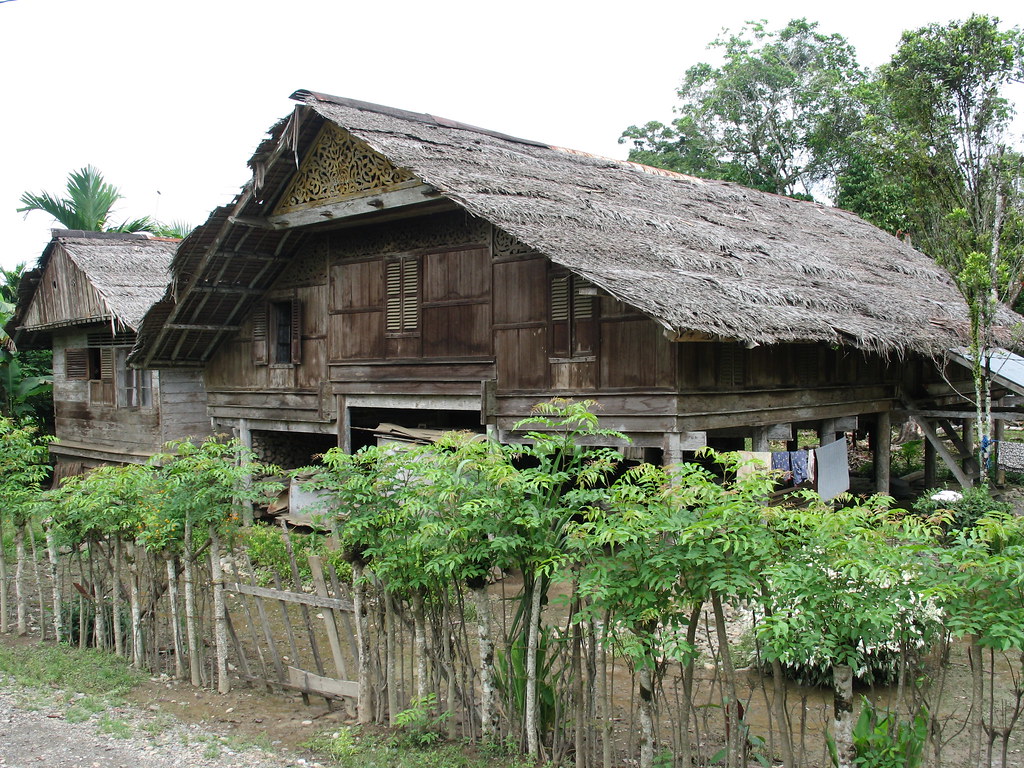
37 728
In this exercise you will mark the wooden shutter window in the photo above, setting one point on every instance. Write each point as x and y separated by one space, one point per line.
296 311
402 295
560 313
260 347
76 364
107 364
584 322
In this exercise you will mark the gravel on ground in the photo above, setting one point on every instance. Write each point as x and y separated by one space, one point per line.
35 730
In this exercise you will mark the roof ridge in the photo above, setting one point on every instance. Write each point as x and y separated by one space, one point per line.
305 95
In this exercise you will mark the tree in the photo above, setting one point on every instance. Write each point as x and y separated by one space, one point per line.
25 380
88 206
773 116
937 127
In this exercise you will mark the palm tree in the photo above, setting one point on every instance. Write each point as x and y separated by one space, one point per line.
89 203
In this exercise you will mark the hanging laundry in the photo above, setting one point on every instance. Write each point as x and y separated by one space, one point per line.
752 461
798 461
781 462
833 469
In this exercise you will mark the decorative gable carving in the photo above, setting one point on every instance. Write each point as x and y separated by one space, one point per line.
337 167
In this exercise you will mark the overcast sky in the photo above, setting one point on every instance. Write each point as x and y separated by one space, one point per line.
169 99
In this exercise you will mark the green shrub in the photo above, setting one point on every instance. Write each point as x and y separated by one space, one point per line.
954 516
267 550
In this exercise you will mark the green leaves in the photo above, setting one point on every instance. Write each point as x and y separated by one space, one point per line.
773 116
88 205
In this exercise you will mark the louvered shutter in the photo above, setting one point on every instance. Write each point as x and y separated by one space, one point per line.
410 295
296 328
584 322
76 364
107 364
393 302
260 350
402 295
560 313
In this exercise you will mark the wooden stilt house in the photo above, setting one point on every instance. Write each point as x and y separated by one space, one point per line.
389 266
85 299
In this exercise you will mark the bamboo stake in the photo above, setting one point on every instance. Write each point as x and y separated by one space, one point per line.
20 598
99 629
219 612
58 607
191 631
116 597
172 597
364 707
3 581
40 597
136 607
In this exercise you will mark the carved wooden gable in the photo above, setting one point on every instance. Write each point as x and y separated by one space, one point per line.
339 166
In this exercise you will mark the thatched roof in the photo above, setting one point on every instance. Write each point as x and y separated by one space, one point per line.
126 275
700 256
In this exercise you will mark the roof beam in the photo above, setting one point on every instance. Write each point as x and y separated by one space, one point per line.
354 206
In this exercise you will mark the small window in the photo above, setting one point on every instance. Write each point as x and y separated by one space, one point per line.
277 333
573 317
402 302
135 386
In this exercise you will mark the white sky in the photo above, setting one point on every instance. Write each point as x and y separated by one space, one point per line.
169 99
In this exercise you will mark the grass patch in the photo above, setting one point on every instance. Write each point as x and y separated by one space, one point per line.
56 666
119 729
84 708
348 748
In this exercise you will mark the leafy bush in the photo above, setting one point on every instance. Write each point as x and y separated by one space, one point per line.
953 516
882 741
418 725
267 550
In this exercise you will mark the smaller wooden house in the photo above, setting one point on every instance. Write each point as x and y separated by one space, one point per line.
85 299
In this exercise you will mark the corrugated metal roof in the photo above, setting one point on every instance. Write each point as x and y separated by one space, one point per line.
1007 368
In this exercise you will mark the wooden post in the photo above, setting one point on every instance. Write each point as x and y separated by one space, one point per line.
882 451
931 474
245 438
970 456
759 439
827 429
998 430
344 425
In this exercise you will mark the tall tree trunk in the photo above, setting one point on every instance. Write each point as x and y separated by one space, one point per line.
3 581
532 642
220 621
488 711
172 597
648 741
20 595
779 710
98 623
117 599
58 607
391 662
691 640
40 593
842 724
735 739
975 658
420 623
365 707
136 607
191 629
